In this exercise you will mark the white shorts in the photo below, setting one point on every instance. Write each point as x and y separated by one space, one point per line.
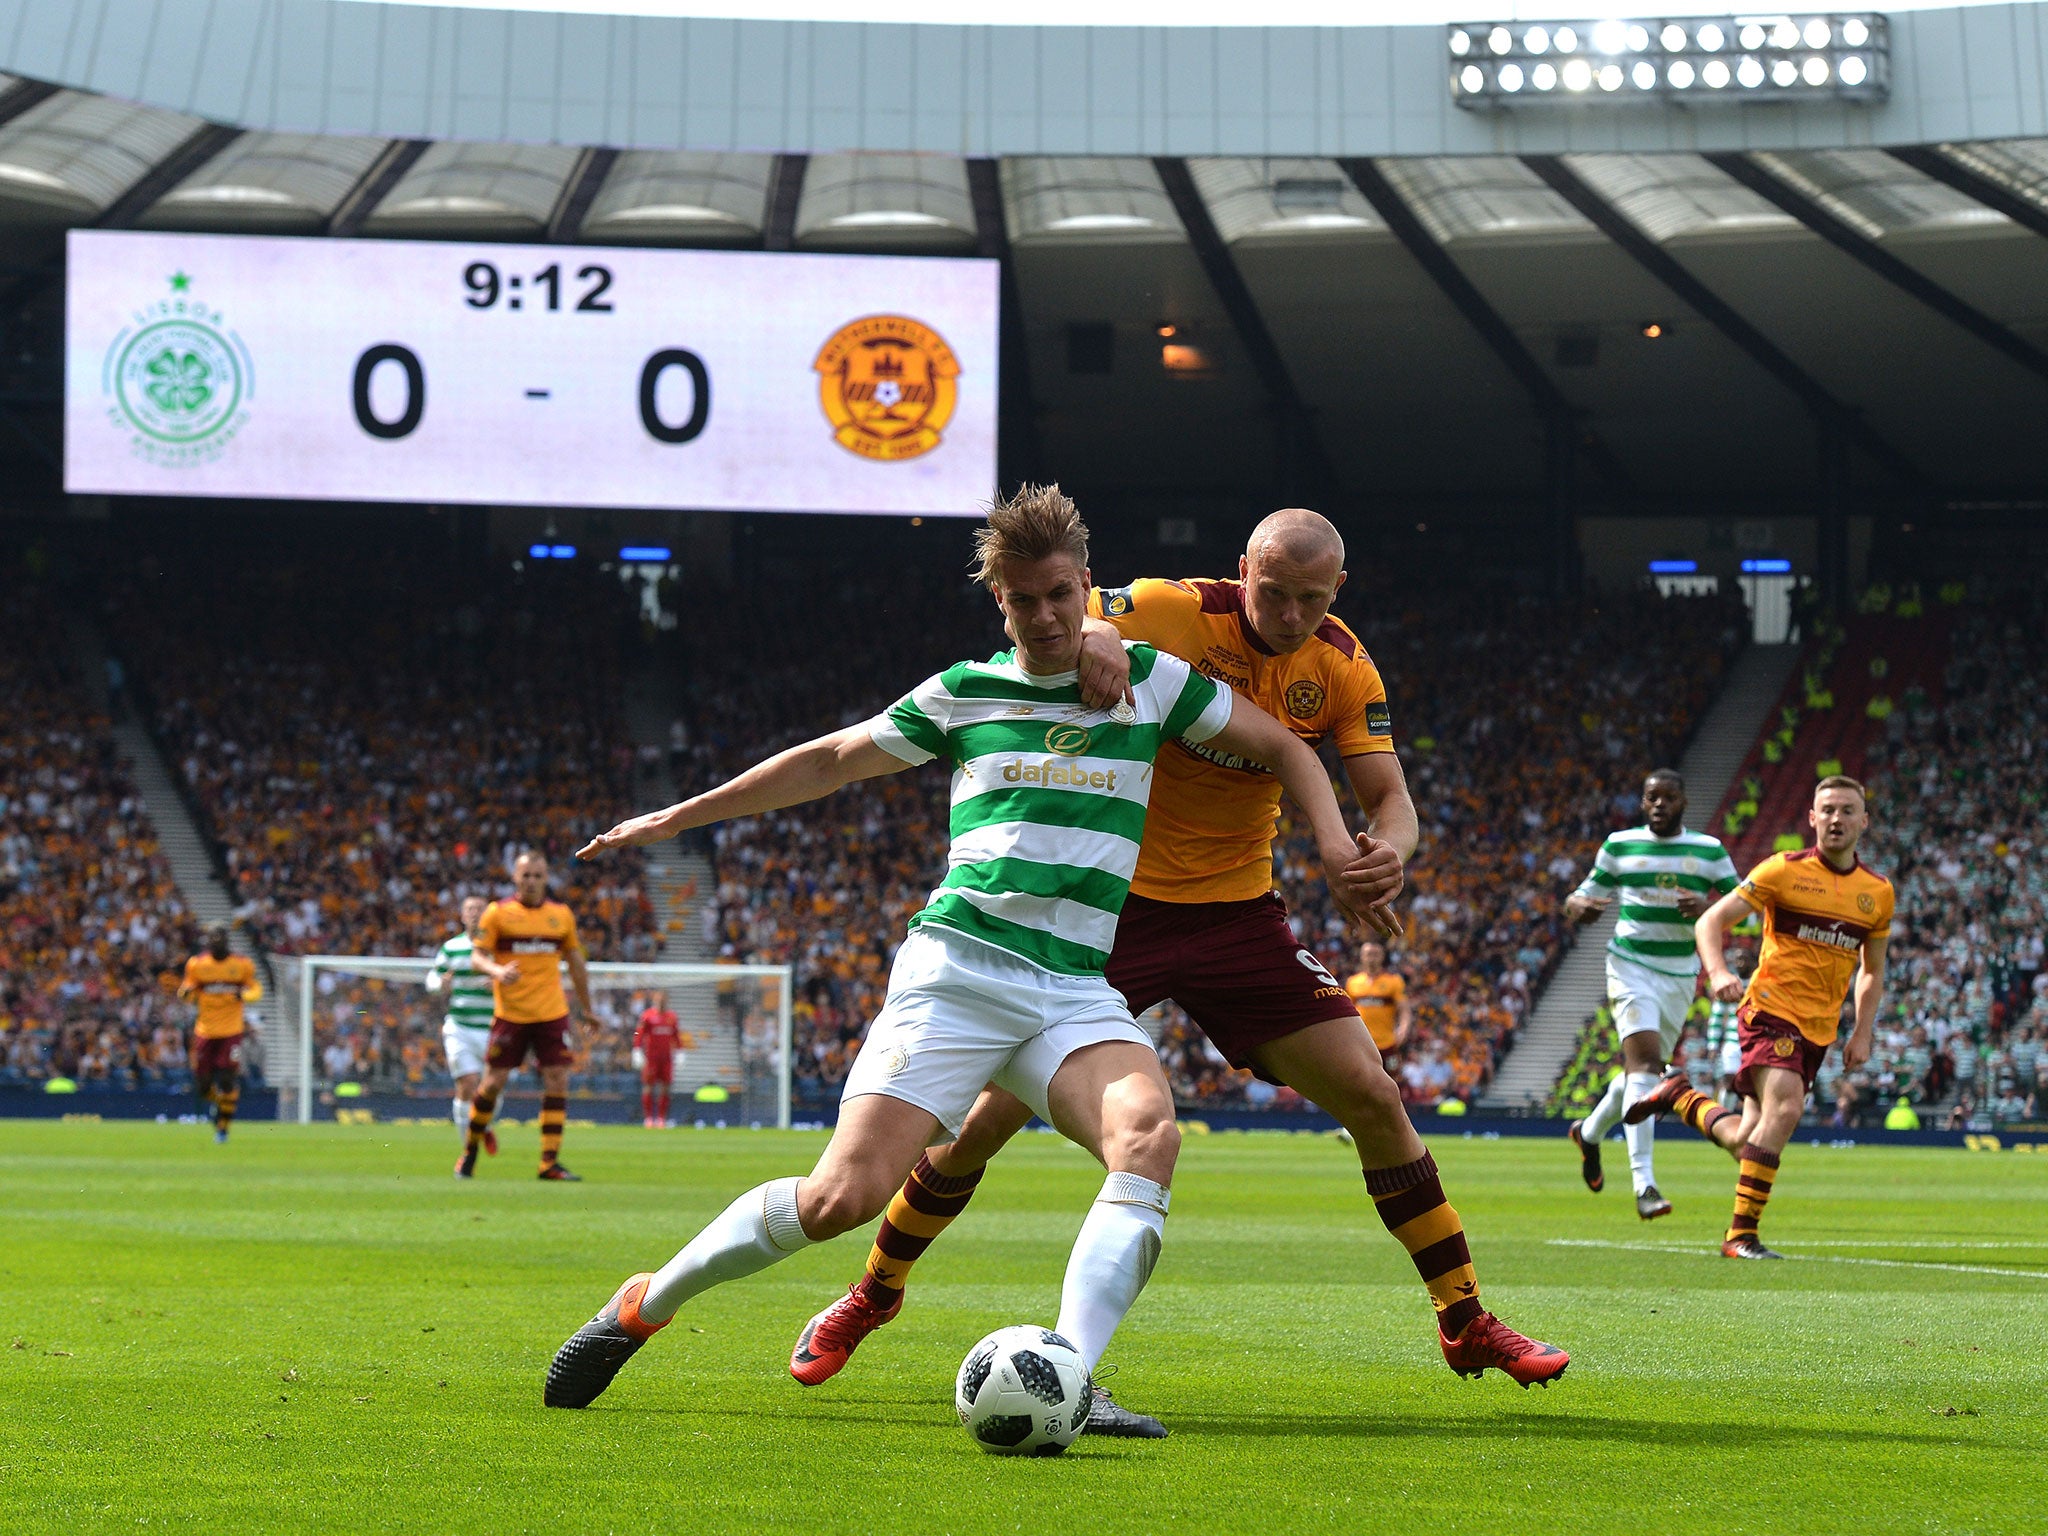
465 1046
961 1015
1730 1064
1648 1002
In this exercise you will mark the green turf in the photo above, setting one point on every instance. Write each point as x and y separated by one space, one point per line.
316 1329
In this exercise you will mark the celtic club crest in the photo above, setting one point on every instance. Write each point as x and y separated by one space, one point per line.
180 381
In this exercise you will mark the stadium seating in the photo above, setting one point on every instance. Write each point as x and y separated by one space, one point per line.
366 754
92 931
1959 824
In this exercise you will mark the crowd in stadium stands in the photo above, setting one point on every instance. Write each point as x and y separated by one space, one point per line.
1512 783
92 932
1960 825
366 754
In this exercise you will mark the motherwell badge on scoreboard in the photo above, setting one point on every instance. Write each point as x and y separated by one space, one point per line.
886 383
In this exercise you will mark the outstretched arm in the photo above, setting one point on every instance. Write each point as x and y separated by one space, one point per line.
809 772
1254 734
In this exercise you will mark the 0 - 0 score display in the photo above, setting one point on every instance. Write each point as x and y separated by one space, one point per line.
439 372
486 284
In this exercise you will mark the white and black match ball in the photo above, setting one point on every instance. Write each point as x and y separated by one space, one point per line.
1023 1391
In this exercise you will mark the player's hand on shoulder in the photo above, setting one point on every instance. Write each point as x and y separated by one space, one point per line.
1105 669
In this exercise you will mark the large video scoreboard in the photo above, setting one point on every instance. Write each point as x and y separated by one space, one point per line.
415 371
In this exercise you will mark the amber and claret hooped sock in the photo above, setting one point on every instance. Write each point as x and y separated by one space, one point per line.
480 1119
923 1208
554 1114
1753 1181
1410 1200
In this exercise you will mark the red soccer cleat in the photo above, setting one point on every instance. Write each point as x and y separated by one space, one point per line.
830 1338
491 1142
1487 1341
1659 1100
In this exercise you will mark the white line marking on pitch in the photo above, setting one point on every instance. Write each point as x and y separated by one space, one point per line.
1804 1258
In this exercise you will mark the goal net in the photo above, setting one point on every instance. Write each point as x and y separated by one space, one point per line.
350 1026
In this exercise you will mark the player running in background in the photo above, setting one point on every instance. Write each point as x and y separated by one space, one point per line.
1205 927
1827 919
654 1053
1381 998
521 944
1666 877
1000 978
221 982
466 1031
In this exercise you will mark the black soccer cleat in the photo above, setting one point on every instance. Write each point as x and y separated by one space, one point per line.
558 1173
1650 1203
465 1166
1107 1417
1589 1157
591 1356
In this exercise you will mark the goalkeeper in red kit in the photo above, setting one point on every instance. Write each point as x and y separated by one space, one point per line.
655 1039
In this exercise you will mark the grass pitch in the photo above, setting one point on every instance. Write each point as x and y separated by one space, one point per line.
316 1329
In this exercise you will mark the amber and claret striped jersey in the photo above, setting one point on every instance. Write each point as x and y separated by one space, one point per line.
539 939
1378 1000
1209 836
221 986
1816 919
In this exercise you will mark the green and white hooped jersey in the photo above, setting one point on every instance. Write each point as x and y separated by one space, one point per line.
1649 873
468 990
1049 796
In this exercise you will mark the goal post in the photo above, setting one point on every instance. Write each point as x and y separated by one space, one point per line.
369 1020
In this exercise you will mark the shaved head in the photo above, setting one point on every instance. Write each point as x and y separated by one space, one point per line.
1298 536
1292 566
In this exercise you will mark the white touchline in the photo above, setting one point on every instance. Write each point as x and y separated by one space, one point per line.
1804 1258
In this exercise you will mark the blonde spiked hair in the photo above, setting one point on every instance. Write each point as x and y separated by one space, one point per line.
1040 521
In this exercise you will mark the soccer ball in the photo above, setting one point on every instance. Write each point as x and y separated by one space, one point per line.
1023 1391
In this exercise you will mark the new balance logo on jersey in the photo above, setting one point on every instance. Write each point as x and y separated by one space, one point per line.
1051 771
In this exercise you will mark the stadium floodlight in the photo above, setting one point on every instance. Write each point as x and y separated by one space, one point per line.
646 554
1674 567
1767 567
1792 57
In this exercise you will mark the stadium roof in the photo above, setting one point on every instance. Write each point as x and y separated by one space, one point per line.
1394 326
587 74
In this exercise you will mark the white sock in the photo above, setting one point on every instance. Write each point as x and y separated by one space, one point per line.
1112 1260
462 1113
756 1230
1600 1124
1642 1139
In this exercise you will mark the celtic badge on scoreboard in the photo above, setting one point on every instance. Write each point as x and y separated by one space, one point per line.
179 379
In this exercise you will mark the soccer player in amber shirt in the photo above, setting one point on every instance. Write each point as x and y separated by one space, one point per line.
655 1040
221 982
1827 921
1204 926
522 944
1381 998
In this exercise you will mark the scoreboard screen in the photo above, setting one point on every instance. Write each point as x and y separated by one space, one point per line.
556 375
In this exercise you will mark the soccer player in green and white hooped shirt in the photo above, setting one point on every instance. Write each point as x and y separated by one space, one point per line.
1666 877
1000 978
466 1031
